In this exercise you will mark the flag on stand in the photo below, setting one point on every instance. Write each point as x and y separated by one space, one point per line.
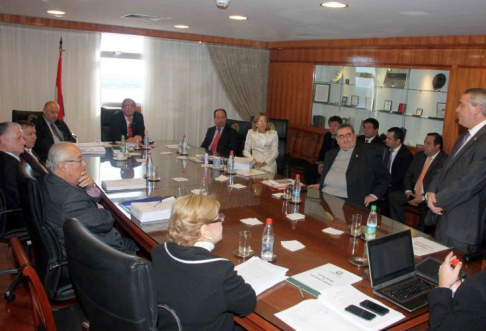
58 95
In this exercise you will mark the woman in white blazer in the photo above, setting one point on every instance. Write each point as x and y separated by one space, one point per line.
262 145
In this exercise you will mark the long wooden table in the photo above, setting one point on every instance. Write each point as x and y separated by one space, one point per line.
256 201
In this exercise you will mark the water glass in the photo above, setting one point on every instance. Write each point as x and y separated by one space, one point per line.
356 220
244 247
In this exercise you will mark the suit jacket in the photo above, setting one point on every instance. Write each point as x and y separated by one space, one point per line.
400 165
268 151
327 144
63 201
228 141
118 125
209 291
39 169
464 311
413 172
376 140
8 184
366 174
460 189
44 136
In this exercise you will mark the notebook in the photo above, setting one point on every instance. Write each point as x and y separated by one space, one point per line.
392 271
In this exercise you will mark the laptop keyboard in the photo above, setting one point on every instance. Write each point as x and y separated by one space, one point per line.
409 289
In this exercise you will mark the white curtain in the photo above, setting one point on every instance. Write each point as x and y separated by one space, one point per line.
28 69
182 90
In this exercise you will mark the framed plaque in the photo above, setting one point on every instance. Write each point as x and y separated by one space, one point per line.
440 109
321 93
354 100
387 106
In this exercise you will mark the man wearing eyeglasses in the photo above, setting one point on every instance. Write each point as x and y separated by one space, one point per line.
353 172
69 192
127 122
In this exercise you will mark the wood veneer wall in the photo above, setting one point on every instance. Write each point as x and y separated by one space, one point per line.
291 77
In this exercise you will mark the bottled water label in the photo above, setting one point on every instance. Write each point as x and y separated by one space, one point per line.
370 232
267 248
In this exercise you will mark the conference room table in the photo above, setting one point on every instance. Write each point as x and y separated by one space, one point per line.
255 201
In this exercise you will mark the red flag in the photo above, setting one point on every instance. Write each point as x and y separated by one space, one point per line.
58 96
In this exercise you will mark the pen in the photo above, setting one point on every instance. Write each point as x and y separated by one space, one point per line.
158 202
301 294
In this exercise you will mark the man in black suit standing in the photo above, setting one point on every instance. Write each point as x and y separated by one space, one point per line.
417 180
127 122
50 130
370 129
457 195
313 171
352 171
29 156
220 138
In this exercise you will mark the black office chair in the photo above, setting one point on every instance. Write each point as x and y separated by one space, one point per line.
241 127
47 254
26 115
380 150
105 118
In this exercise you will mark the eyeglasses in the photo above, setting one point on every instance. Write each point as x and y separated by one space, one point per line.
262 121
220 218
77 160
129 106
347 135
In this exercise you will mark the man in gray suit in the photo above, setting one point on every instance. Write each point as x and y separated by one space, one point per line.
457 195
69 192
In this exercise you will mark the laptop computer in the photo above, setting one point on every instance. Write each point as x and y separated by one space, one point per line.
393 274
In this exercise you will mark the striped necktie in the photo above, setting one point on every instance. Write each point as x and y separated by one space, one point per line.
54 130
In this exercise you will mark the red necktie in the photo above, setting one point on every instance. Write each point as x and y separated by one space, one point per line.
420 181
129 129
215 141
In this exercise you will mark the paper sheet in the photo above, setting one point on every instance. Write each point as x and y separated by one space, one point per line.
277 195
251 221
296 216
249 173
180 179
260 274
221 178
165 153
172 146
237 186
196 191
292 245
333 231
423 246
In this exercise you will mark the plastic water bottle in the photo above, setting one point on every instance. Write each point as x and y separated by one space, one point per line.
148 165
206 160
231 163
267 241
184 145
203 189
296 191
146 140
371 224
123 147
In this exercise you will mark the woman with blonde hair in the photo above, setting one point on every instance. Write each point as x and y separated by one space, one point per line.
203 289
262 145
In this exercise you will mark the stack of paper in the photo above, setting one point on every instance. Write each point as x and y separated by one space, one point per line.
423 246
251 172
152 211
93 148
278 184
296 216
124 184
251 221
243 163
260 274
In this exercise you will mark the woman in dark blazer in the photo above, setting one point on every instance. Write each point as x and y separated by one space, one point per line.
203 289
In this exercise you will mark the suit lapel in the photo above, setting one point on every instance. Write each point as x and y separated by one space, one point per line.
453 157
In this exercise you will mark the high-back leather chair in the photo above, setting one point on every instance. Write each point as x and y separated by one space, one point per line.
241 128
47 255
115 289
26 115
105 118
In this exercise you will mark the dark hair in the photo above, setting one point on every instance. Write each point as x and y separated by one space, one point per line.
376 124
224 111
345 125
335 119
127 99
437 139
397 133
25 123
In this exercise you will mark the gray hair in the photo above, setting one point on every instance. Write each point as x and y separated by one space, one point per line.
478 97
5 126
128 99
57 154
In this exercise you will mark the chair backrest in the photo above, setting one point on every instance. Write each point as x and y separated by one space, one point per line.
41 306
105 118
115 289
381 150
47 260
241 128
26 115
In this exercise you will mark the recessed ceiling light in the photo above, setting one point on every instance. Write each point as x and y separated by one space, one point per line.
181 26
55 12
334 5
238 18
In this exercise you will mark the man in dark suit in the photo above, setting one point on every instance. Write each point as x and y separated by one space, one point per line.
353 172
220 138
69 192
29 156
50 130
127 122
313 171
397 161
457 195
417 180
11 146
370 129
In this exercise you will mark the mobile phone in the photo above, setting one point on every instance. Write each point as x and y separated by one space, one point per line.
374 307
360 312
410 198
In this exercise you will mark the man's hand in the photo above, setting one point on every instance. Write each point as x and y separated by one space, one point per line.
319 168
86 181
134 139
431 201
417 200
448 275
314 186
369 199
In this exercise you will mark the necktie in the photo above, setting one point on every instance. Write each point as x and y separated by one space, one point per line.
215 141
463 142
129 129
420 181
389 162
54 130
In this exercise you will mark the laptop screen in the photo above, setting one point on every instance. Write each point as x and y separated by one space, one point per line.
390 257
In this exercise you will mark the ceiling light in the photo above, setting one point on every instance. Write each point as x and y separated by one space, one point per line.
238 18
55 12
334 5
181 26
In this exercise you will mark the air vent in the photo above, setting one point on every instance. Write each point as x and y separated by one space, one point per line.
145 17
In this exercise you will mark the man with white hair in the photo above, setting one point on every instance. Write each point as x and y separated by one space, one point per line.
69 192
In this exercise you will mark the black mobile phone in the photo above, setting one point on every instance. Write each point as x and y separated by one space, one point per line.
374 307
360 312
410 198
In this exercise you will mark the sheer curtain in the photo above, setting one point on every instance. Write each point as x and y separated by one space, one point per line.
28 69
182 90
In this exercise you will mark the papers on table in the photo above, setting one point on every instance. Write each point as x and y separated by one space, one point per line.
92 148
244 163
172 146
333 231
292 245
141 160
182 157
180 179
165 153
251 172
296 216
251 221
196 191
237 186
318 279
277 195
124 184
261 275
195 159
221 178
423 246
327 312
278 184
152 211
128 204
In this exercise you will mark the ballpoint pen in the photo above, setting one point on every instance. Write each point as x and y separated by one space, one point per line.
301 294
